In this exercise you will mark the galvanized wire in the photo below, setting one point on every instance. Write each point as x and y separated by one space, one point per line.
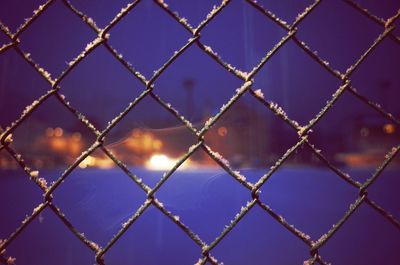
205 250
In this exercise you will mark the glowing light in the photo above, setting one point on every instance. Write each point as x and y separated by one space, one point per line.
58 144
49 132
157 144
98 162
76 136
58 132
222 131
104 163
388 128
74 147
136 133
88 161
160 162
143 142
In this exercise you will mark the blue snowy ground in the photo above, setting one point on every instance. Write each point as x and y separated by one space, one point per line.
97 202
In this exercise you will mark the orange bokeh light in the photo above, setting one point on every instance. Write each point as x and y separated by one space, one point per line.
389 128
222 131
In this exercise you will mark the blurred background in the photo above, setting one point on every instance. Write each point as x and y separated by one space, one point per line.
100 87
352 135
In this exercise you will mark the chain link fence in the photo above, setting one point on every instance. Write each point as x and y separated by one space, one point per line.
205 249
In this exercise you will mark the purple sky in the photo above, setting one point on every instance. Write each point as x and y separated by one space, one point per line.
100 87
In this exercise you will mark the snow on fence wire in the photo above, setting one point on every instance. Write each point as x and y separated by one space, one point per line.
205 250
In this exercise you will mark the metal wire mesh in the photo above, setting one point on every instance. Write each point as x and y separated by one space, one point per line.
205 250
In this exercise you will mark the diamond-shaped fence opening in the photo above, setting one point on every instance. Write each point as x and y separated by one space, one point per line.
333 27
233 35
13 101
44 33
191 75
135 43
206 192
382 66
281 77
111 96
